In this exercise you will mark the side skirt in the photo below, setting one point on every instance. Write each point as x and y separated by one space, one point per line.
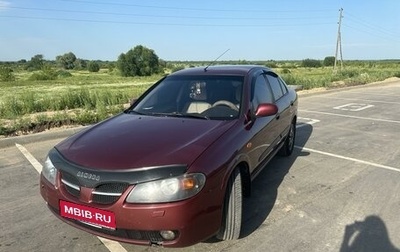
262 165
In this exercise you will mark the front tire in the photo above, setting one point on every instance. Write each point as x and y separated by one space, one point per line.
232 212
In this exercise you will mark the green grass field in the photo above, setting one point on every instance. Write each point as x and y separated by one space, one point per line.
80 97
81 90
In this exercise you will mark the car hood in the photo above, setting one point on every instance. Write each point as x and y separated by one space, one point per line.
130 141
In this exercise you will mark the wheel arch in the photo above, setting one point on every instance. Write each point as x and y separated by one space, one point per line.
246 178
294 120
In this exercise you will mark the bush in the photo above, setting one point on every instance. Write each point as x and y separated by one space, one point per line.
311 63
47 73
6 74
329 61
66 61
36 63
139 61
41 75
93 67
63 74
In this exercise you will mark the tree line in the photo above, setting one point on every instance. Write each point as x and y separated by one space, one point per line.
138 61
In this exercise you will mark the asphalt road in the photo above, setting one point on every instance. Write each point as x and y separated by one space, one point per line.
339 191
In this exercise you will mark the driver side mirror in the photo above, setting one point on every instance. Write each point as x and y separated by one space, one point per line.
263 110
266 109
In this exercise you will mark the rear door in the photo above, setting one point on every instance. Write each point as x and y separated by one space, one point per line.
280 93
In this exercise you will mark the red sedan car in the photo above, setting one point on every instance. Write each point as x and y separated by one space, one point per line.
172 169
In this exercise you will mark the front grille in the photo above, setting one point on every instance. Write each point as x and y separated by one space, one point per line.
104 199
106 193
71 184
112 187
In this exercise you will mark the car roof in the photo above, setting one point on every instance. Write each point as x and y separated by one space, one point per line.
220 69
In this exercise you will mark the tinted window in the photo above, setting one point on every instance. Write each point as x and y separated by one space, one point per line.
283 86
275 86
261 92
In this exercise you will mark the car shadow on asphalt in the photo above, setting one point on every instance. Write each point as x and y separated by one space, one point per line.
265 186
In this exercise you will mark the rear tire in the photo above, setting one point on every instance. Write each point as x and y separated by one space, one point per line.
288 146
232 212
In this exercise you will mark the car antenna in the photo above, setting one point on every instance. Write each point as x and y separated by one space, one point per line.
212 62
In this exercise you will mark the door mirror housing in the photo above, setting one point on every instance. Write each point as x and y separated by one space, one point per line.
266 109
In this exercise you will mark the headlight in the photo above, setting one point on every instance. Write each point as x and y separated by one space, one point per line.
167 190
49 171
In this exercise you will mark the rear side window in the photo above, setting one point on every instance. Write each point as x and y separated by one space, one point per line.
275 86
283 86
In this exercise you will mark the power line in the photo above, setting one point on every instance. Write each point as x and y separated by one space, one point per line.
374 30
373 27
185 8
372 34
166 16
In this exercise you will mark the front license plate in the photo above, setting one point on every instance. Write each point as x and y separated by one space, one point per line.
90 215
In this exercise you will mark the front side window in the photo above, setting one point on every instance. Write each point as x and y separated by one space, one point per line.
209 97
261 93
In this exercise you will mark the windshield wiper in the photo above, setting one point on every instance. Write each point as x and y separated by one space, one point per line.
131 111
198 116
176 114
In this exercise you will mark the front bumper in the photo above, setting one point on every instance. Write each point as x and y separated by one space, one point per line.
192 220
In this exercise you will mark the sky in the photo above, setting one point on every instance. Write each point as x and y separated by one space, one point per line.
183 30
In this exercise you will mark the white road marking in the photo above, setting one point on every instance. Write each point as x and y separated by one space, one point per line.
349 116
30 157
349 159
112 246
364 100
353 107
309 121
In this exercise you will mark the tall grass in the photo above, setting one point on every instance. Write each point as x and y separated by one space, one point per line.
34 102
310 78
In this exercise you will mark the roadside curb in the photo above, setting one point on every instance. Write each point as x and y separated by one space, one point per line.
38 137
311 92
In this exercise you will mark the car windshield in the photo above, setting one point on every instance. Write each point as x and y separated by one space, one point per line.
205 97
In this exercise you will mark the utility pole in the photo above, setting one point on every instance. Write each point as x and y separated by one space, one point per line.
339 43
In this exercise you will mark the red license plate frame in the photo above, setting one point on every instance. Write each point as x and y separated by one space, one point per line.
90 215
